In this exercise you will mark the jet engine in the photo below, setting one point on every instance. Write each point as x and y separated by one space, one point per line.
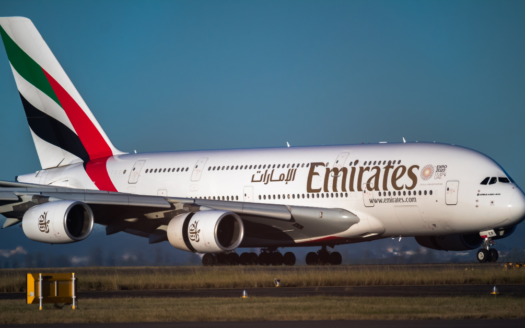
206 231
451 242
59 222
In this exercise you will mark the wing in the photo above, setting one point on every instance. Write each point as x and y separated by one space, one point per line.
266 225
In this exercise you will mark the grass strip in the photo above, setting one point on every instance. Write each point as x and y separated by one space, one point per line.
266 309
110 279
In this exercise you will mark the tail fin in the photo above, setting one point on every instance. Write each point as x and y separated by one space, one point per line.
63 128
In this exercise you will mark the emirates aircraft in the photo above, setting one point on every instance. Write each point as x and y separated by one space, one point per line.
212 202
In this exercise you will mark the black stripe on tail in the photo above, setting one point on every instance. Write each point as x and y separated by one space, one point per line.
54 131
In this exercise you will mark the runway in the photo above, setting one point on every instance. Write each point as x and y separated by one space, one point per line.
364 291
301 324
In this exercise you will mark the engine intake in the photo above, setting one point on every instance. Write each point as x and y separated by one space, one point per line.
59 222
206 231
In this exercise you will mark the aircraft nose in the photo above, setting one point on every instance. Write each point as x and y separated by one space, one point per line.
517 206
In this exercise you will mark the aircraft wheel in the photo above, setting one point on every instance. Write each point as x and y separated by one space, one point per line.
493 255
312 258
222 259
254 259
233 259
483 255
246 258
289 258
324 258
336 258
277 258
208 259
264 259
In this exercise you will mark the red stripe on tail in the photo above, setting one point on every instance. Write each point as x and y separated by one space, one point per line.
98 173
93 141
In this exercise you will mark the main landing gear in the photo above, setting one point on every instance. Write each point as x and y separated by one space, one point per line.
487 254
267 257
323 257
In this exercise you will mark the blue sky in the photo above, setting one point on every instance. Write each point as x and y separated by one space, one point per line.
180 75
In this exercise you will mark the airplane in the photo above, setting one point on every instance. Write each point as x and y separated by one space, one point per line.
212 202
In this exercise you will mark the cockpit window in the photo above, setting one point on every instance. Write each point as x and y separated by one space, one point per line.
493 180
485 181
503 180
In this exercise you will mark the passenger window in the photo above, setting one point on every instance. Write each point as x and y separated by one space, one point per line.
425 192
356 162
493 180
503 180
307 164
350 164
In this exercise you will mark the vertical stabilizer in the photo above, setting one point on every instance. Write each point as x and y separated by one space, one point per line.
63 128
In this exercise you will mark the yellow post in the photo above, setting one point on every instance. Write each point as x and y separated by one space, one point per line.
74 296
40 289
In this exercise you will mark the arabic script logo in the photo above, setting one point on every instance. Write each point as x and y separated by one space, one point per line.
194 233
427 172
43 223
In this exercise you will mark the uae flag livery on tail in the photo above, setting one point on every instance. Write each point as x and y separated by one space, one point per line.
63 128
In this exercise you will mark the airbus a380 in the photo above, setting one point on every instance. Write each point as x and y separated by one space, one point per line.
215 201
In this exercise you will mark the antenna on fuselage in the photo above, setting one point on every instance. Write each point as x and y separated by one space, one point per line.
288 144
404 141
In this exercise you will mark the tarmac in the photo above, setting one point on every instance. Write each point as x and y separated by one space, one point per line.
362 291
300 324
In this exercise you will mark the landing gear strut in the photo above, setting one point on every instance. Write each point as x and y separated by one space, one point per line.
487 254
324 257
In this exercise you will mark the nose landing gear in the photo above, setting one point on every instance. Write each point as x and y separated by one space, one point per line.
487 254
323 257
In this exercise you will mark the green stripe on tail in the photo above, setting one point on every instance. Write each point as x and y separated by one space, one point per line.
27 67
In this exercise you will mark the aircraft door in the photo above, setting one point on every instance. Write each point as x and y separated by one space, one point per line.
451 197
339 164
135 172
368 194
248 194
197 169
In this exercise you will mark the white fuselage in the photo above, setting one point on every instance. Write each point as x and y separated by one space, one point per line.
427 189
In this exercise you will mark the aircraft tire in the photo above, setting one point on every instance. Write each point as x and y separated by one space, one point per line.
254 259
233 259
208 259
289 258
246 258
264 259
336 258
312 258
276 258
222 259
493 255
483 255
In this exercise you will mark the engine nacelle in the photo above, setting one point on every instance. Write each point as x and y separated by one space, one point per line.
206 231
59 222
451 242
